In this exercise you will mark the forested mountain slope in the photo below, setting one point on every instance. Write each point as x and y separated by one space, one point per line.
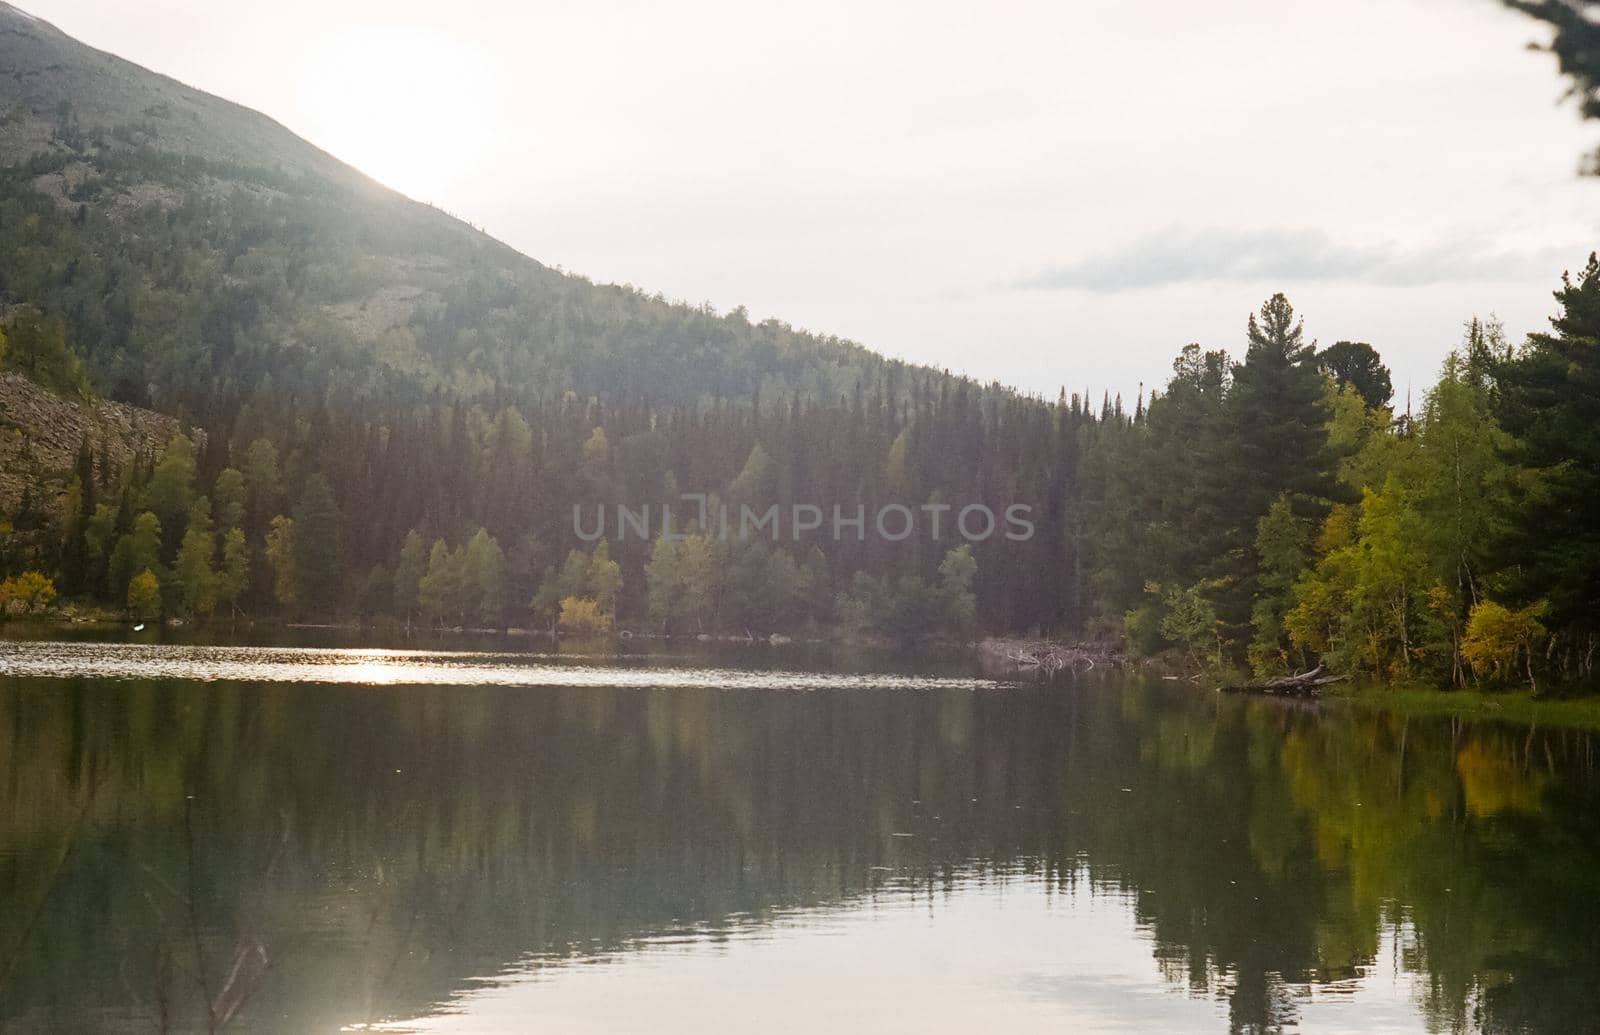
197 248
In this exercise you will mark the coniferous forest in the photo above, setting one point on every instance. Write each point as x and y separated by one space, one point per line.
392 417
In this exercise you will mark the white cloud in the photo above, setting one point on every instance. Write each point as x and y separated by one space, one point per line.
1288 256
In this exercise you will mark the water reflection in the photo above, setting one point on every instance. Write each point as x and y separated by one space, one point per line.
276 856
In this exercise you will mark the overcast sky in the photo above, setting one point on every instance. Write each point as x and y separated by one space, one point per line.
1042 193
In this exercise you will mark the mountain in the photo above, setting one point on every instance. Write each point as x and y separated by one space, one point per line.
54 81
198 249
370 377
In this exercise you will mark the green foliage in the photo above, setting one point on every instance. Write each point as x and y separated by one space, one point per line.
1358 365
1185 491
590 576
263 483
484 579
376 592
409 573
319 547
912 607
99 537
1549 401
682 585
467 584
604 579
1369 605
1398 575
1141 631
1467 487
1278 419
1189 618
233 578
36 347
756 480
1282 547
170 491
442 591
958 600
136 552
282 555
232 498
194 566
866 606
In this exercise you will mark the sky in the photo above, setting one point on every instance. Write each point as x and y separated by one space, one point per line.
1044 194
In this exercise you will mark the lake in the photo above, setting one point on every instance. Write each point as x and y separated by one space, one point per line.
322 839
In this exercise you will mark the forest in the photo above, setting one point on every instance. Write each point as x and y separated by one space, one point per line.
1268 511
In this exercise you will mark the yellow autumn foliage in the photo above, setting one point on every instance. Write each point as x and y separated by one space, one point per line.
582 616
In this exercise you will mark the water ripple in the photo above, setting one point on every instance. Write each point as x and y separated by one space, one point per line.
59 660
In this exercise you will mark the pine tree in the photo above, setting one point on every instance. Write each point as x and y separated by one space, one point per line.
1550 400
1277 438
319 547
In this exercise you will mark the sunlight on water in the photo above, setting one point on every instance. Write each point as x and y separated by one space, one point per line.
366 667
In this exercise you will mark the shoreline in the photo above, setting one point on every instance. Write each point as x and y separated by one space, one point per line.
1519 707
1018 657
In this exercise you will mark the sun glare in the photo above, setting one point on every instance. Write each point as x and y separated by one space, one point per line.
408 108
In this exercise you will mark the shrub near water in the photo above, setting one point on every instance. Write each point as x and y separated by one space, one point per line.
30 592
583 617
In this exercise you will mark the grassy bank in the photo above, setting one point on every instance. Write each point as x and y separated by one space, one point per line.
1518 706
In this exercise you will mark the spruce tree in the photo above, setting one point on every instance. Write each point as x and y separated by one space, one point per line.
319 547
1549 398
1277 444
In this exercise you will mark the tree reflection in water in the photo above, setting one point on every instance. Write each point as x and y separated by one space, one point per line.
359 854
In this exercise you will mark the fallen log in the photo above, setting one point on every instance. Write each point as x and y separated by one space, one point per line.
1304 684
1045 657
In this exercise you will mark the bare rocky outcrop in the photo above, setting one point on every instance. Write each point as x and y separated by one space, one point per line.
40 433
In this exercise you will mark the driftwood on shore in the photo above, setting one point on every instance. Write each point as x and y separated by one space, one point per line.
1044 657
1305 684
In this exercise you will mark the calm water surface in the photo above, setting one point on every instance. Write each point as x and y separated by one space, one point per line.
320 840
